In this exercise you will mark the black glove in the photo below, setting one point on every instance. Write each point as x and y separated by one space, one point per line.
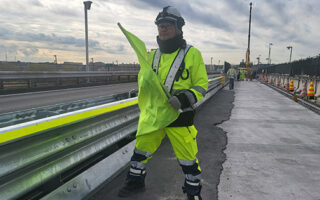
179 101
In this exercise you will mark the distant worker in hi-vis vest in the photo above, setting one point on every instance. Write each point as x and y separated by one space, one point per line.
181 69
231 75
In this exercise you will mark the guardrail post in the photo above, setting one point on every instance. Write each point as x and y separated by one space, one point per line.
1 85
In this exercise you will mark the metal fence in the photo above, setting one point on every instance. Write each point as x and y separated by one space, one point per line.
308 66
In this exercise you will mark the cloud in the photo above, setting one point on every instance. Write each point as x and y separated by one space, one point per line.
119 49
48 38
237 6
29 51
36 3
225 46
190 13
66 12
205 17
221 45
150 3
218 28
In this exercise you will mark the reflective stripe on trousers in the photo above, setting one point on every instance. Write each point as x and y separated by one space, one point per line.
183 141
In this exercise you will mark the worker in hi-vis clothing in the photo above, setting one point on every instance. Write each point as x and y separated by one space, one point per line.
231 75
181 69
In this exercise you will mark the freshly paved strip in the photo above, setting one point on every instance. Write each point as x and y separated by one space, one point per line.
273 149
164 175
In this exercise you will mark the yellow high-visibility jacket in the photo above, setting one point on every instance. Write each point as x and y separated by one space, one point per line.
194 78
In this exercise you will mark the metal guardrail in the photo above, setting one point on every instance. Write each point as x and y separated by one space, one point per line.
12 118
40 154
15 75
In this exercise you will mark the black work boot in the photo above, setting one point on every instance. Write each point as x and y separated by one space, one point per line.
133 185
193 191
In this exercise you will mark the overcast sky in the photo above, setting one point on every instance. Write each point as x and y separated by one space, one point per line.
35 30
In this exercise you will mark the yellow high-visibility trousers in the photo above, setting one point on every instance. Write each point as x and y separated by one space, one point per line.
182 139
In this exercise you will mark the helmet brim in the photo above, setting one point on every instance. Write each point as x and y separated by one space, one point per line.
165 19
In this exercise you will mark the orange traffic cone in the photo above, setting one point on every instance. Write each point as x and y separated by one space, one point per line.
291 88
304 90
311 91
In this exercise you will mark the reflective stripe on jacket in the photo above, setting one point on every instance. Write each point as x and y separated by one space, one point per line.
193 78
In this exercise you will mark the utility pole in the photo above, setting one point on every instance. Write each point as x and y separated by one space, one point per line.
87 6
269 58
248 50
290 47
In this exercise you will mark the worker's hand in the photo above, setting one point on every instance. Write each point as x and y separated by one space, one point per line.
174 102
179 101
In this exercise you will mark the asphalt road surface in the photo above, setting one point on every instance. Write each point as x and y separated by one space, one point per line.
23 101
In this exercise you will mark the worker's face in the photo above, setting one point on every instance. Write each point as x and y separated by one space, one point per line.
166 30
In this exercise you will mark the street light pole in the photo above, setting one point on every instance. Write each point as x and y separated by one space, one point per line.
248 50
269 59
211 61
290 47
87 5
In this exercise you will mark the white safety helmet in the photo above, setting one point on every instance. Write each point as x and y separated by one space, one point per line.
170 14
